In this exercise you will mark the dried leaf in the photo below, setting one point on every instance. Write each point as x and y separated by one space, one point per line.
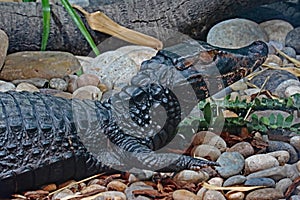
233 188
229 114
100 22
293 60
293 70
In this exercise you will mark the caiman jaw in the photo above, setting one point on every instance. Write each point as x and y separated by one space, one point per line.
220 67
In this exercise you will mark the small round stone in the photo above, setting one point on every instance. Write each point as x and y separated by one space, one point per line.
191 176
209 138
93 189
291 90
293 39
273 45
217 181
184 194
282 156
265 193
268 182
63 194
279 145
88 92
206 151
259 162
273 60
87 79
235 196
113 195
26 87
58 83
116 185
232 163
213 194
6 86
243 148
283 185
276 30
234 180
235 33
3 47
295 142
289 51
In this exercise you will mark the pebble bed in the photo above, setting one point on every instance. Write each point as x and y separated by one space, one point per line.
275 166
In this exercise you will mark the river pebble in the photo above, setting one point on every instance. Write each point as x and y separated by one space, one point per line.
273 60
184 194
295 142
3 47
276 30
87 79
291 90
39 64
191 176
293 39
291 52
259 162
206 151
278 145
281 88
244 148
58 83
129 190
93 189
235 196
116 185
234 180
88 92
6 86
295 197
26 87
283 185
282 156
235 33
62 194
232 163
273 45
213 194
268 182
209 138
38 82
111 195
264 194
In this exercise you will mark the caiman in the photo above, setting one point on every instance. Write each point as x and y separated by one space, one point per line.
46 139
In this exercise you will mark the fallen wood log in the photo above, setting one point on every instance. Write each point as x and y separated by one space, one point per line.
159 18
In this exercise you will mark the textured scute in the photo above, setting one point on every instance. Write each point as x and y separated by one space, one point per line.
47 139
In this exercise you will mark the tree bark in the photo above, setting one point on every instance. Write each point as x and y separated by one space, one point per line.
165 19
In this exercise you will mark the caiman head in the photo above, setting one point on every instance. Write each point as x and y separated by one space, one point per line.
208 69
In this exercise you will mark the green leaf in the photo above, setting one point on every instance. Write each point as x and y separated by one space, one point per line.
288 121
272 119
254 119
80 25
46 23
207 113
265 120
280 120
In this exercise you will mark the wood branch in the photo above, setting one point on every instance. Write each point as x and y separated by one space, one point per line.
159 18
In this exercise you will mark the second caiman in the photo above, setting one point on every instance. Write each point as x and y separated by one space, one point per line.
46 139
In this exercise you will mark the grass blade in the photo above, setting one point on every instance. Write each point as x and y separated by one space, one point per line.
80 25
46 23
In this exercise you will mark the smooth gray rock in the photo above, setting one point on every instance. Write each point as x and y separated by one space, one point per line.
259 162
278 145
293 39
264 194
268 182
276 30
243 148
235 180
232 163
283 185
235 33
3 47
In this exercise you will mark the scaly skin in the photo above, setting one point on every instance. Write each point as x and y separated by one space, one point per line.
45 139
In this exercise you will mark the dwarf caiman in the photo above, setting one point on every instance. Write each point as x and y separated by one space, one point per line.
46 139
